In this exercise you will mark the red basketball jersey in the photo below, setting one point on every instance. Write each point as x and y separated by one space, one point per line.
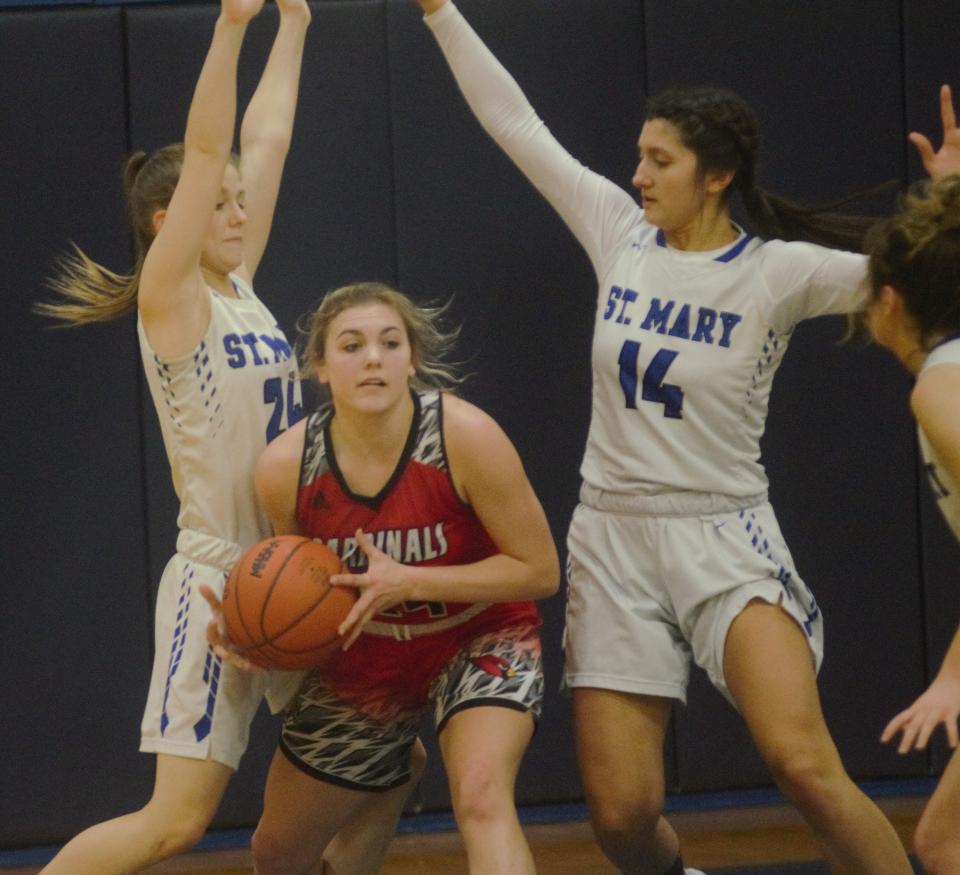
418 519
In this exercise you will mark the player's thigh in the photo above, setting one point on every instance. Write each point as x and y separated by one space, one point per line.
301 813
485 743
770 673
187 789
619 738
942 815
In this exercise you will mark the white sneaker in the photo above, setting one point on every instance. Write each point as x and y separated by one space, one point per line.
694 872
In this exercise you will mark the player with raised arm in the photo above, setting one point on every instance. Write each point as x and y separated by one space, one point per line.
674 550
223 380
914 311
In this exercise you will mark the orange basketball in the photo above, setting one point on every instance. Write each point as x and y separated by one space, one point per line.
280 608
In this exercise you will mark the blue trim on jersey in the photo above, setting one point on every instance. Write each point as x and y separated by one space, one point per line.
953 335
179 641
735 250
729 255
211 675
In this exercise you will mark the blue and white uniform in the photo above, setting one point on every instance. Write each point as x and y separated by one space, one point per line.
946 491
673 535
218 407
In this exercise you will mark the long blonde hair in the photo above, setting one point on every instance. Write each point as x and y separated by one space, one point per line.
90 292
429 340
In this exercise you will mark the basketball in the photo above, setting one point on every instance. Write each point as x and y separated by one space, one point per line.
279 606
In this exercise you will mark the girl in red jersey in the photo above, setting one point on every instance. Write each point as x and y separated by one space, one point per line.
426 500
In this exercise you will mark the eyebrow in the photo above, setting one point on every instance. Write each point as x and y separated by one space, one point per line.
358 331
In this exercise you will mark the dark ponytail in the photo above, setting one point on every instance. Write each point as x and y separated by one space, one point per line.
722 130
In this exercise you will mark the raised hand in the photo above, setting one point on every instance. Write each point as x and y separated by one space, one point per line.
939 704
384 584
947 159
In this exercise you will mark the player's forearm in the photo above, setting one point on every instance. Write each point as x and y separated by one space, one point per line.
498 578
270 113
213 108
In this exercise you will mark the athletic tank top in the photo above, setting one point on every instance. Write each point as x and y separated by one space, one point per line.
218 407
417 519
946 491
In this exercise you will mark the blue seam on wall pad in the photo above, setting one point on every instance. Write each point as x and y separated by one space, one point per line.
232 839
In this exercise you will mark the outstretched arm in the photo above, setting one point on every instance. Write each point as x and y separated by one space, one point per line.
173 309
598 212
947 159
267 129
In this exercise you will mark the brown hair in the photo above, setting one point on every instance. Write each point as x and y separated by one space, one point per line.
722 129
429 340
917 252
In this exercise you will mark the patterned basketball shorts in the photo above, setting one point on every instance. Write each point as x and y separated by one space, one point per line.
369 749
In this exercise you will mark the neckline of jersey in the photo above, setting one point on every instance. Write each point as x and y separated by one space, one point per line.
725 256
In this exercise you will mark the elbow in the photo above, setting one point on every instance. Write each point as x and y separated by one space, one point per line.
548 579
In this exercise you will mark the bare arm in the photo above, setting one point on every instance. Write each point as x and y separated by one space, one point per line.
934 403
492 480
267 129
276 478
171 298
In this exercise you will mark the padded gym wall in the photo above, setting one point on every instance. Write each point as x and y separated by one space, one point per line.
75 621
391 178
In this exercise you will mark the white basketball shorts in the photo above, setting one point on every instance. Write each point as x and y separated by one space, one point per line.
655 580
197 706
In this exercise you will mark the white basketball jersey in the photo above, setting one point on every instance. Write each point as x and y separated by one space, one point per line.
686 343
218 407
946 490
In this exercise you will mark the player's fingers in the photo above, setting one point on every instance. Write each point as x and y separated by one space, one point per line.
352 622
926 730
210 597
360 581
356 629
953 737
909 736
924 147
366 543
893 727
947 112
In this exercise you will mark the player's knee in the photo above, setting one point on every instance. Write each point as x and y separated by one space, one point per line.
271 854
481 795
809 775
622 819
175 832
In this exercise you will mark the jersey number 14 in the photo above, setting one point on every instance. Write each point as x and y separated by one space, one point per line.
653 386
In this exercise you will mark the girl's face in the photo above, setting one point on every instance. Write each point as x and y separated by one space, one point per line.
892 327
667 177
367 359
223 245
